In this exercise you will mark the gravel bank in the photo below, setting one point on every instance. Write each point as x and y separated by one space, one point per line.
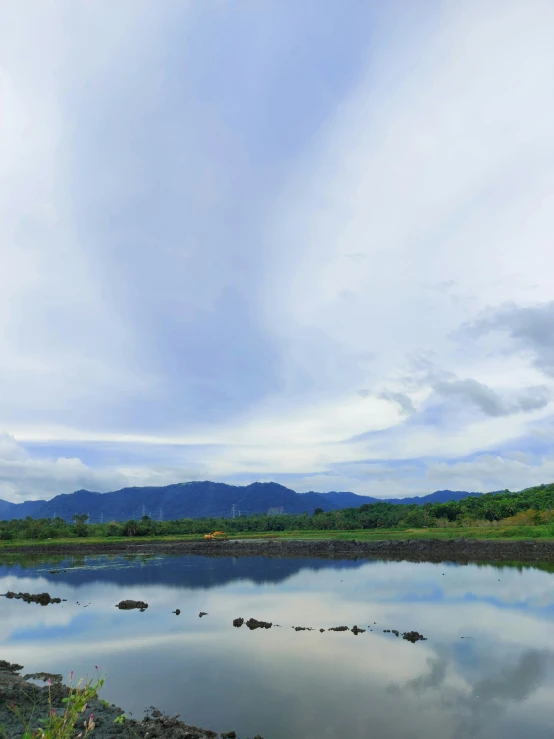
415 550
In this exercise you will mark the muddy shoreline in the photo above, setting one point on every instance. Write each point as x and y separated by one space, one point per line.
32 700
413 550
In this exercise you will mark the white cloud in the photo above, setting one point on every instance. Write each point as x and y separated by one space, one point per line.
27 477
423 203
499 471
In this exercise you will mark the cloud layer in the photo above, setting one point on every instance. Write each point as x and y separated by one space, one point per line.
310 244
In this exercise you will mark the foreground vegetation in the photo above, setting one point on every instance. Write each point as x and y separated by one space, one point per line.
64 723
527 514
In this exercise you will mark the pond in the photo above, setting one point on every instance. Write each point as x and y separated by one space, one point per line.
485 670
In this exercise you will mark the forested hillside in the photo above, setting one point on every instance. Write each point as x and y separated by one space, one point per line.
528 507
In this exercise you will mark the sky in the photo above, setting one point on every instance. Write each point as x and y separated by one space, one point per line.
302 242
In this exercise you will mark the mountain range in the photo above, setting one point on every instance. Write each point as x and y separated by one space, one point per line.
199 500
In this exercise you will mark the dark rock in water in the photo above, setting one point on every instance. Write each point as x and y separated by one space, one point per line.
252 624
43 598
395 632
321 631
413 636
386 631
238 622
356 630
177 611
302 628
128 605
202 613
339 628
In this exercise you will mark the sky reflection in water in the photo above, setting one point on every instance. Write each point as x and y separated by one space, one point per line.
496 682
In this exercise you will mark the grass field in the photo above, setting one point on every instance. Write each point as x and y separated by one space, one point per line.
498 532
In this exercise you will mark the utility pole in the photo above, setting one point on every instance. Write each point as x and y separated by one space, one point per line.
233 510
143 510
102 517
161 518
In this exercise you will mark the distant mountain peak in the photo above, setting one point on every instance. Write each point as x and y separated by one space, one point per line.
196 499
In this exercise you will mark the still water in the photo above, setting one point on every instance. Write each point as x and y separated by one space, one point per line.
498 681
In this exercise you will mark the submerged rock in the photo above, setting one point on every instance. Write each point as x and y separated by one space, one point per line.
321 631
177 611
339 628
395 632
128 605
356 630
43 598
302 628
202 613
238 622
253 623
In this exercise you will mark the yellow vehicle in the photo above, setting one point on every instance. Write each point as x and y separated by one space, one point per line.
216 535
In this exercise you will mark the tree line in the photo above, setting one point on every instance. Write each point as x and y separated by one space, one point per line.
531 506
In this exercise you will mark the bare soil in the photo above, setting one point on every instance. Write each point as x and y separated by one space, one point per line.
415 550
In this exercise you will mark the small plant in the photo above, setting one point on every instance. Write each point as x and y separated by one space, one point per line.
64 725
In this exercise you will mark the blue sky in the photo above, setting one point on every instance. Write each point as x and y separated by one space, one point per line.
303 242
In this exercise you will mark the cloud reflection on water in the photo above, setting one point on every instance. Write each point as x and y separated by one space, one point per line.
284 683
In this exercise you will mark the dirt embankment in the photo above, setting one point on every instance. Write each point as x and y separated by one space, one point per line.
415 550
32 700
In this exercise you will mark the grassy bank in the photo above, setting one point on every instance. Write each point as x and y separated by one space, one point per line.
494 532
